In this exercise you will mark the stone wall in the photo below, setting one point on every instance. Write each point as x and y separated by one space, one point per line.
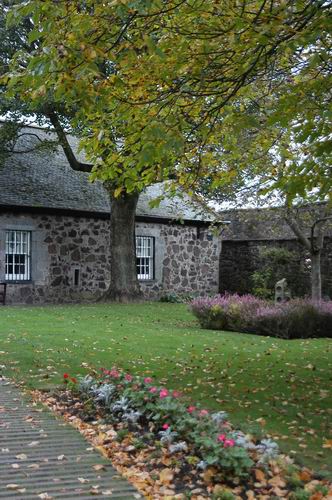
240 259
60 245
186 258
251 230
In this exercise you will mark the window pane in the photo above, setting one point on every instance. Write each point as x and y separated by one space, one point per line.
144 257
17 261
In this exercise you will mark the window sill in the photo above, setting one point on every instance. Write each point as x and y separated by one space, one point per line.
18 282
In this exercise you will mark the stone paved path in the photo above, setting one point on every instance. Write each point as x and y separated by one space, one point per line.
43 457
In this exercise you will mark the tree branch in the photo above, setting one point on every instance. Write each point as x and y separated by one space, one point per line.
320 234
67 149
298 231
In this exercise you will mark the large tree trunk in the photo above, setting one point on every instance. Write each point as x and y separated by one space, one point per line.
316 280
124 285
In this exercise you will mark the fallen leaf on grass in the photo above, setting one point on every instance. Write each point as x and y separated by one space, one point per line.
21 456
61 457
83 480
327 443
44 496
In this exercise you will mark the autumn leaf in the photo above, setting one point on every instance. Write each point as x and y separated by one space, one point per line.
166 476
99 467
12 486
305 475
260 476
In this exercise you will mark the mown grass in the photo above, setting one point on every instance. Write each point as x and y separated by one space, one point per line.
282 386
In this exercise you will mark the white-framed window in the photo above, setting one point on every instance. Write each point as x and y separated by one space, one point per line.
18 244
145 257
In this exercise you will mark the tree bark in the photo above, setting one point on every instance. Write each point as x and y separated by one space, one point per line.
316 279
314 245
124 285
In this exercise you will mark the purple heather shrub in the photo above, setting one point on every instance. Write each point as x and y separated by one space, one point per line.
298 318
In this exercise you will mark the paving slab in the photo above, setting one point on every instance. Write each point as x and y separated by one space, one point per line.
41 456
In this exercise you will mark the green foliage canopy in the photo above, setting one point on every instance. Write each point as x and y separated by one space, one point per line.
187 89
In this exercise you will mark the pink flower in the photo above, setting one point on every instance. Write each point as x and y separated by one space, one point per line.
153 389
229 443
176 394
221 438
163 393
191 409
128 377
165 427
105 371
114 373
148 380
203 413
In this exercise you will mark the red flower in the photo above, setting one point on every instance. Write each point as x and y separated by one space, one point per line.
165 427
229 443
203 413
65 375
74 380
163 393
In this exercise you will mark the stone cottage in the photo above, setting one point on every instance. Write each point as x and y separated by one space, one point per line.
55 239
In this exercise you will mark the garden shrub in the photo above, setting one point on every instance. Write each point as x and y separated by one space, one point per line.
298 318
175 298
273 267
208 438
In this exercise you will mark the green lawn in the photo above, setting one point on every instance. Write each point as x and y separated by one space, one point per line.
285 383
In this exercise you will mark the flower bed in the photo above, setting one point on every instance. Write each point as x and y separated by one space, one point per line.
205 457
298 318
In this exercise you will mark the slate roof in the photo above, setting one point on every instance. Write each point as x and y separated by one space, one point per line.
44 179
269 224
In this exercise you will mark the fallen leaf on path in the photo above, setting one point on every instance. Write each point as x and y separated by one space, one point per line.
99 467
12 486
33 443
